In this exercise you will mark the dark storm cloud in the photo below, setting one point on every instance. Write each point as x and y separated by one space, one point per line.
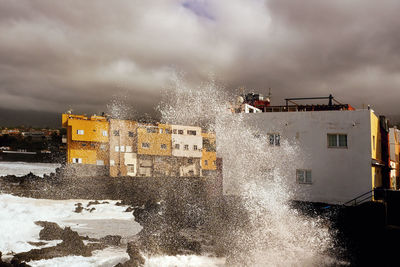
56 55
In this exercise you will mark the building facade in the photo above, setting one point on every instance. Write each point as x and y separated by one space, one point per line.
341 155
129 148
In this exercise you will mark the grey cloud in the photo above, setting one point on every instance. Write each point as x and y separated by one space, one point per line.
60 54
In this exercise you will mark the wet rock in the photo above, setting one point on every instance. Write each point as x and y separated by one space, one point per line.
129 209
135 257
50 231
79 208
111 240
92 209
92 203
119 203
105 202
37 244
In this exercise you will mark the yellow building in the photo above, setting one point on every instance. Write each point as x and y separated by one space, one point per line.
154 139
376 151
208 153
87 139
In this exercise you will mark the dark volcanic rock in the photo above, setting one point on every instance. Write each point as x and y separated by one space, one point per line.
129 209
79 208
135 257
92 203
50 231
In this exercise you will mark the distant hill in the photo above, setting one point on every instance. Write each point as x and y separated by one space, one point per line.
13 118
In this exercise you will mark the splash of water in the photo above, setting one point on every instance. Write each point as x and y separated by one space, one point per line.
275 234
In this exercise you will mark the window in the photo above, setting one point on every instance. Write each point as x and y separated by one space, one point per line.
130 134
76 160
145 145
337 140
83 144
122 149
167 131
191 132
102 147
100 162
174 131
190 161
80 132
131 168
177 146
151 130
116 132
116 148
194 147
163 146
112 162
214 162
373 141
128 149
92 145
303 176
161 130
205 162
186 147
180 131
274 139
105 133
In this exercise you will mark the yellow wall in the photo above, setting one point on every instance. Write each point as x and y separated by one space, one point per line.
376 150
93 130
210 156
154 139
92 145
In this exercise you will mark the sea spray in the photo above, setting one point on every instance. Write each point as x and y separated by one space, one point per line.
260 175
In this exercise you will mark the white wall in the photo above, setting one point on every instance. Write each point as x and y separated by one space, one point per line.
338 174
185 139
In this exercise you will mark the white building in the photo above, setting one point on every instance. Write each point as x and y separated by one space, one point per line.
340 152
187 143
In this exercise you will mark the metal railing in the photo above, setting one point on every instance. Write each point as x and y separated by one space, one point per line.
368 196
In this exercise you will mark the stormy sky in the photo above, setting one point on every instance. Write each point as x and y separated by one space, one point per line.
57 55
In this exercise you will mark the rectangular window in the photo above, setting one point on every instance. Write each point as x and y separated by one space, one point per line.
105 133
163 146
100 162
112 162
167 131
337 140
76 160
274 139
205 162
83 144
177 146
116 148
80 132
116 132
122 149
191 132
174 131
190 161
128 149
214 162
130 134
151 130
186 147
146 145
161 130
194 147
180 131
131 168
303 176
102 147
373 141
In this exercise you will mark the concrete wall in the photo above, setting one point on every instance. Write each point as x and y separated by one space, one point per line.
338 174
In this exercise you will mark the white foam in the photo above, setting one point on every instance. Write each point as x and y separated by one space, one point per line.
18 215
